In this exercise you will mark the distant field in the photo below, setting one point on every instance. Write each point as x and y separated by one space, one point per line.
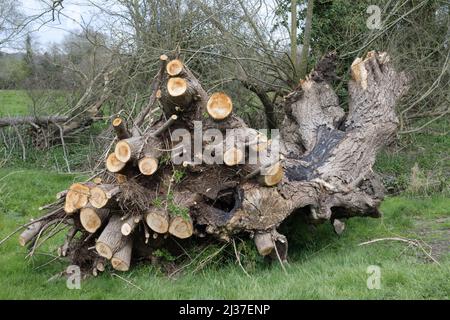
18 102
14 102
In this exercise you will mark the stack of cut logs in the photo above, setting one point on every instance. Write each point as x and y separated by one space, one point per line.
98 206
145 198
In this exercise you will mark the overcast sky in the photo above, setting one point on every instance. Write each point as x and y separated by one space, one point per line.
76 12
54 31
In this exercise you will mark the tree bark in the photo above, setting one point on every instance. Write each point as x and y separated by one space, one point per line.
303 65
111 239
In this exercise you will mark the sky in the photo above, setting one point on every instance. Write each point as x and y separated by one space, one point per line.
74 12
54 31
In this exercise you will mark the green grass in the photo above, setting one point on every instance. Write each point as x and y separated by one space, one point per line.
19 102
322 265
14 103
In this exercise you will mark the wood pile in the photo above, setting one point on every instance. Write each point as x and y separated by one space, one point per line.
159 184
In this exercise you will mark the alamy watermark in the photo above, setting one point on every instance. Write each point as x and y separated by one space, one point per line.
374 20
374 279
74 277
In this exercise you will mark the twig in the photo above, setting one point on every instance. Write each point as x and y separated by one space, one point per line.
127 281
239 259
412 242
279 259
61 136
24 152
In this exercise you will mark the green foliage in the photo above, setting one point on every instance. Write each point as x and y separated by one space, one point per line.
175 209
165 158
157 202
178 175
13 72
427 151
164 254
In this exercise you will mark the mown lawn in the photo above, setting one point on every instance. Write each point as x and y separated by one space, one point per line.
322 265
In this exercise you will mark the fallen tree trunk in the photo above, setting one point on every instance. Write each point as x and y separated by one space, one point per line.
30 120
324 171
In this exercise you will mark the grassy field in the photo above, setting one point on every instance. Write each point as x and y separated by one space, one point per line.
322 265
14 103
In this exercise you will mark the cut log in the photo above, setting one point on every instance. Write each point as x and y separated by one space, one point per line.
148 165
128 149
181 227
152 149
272 175
158 220
122 258
261 143
111 239
121 178
77 197
338 226
130 224
152 152
177 87
264 243
29 120
219 106
120 128
165 126
181 94
163 57
102 195
61 194
174 68
233 157
91 218
30 232
113 164
100 265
